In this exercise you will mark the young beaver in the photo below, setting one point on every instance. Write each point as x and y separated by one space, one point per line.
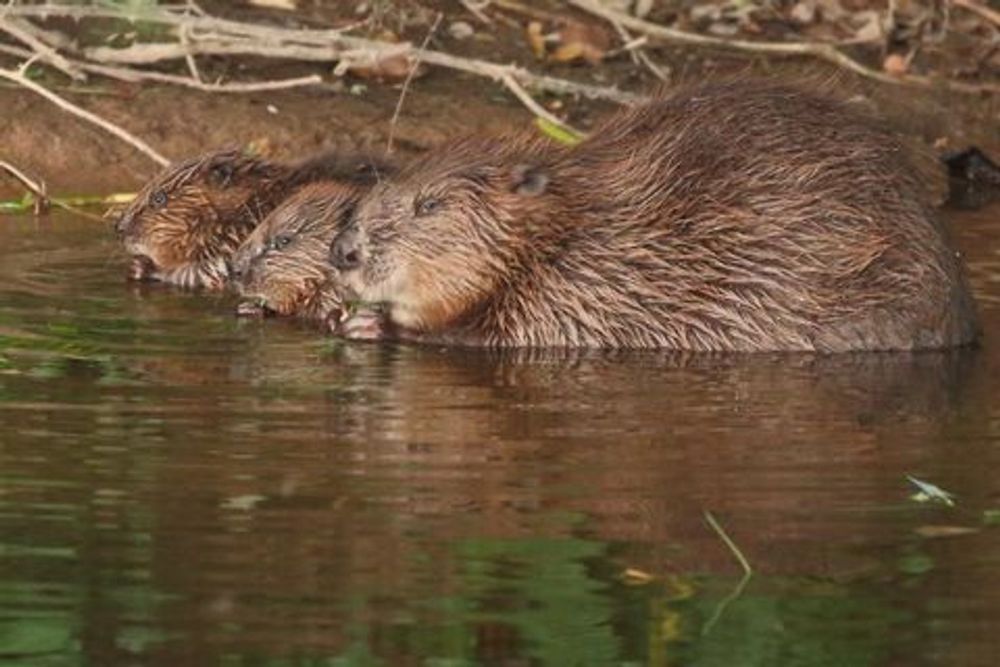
728 217
185 224
282 266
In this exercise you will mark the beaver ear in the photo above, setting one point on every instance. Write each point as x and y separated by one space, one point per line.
528 180
222 174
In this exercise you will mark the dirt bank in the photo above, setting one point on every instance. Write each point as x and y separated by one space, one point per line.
73 156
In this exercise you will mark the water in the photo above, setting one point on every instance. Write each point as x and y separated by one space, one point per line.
181 488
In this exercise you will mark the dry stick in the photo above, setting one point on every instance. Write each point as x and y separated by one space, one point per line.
984 12
131 75
817 50
738 590
23 33
19 78
37 188
315 45
520 93
182 34
637 53
476 9
150 53
409 78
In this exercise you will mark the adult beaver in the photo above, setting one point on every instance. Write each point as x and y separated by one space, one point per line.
742 216
185 224
282 267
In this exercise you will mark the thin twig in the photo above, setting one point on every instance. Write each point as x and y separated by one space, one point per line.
139 144
42 201
637 53
232 38
729 543
185 40
991 15
133 75
813 49
37 188
738 590
520 93
476 9
409 78
23 33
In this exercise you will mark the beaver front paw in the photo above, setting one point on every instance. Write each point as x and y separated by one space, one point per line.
364 324
251 308
141 268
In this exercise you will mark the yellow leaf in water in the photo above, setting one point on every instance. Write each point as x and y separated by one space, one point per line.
944 531
634 577
288 5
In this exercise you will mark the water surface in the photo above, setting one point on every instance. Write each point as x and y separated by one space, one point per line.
181 488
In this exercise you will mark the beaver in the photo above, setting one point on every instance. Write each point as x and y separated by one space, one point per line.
184 225
735 216
282 268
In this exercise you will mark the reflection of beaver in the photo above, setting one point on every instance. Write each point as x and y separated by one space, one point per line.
282 266
738 216
185 224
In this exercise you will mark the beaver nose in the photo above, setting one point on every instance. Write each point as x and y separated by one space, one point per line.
345 251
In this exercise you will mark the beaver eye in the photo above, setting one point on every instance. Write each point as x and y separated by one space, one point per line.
281 241
158 199
428 206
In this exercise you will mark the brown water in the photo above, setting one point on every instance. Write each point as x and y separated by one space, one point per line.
181 488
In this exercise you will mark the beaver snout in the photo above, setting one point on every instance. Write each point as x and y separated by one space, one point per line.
237 267
345 251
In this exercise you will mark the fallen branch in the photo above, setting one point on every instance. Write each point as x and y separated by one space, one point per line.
818 50
19 78
132 75
24 33
214 36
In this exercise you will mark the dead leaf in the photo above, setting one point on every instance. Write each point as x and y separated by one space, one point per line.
389 69
585 41
896 64
570 41
803 12
536 40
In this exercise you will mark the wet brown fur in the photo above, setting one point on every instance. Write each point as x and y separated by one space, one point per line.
282 266
185 224
742 216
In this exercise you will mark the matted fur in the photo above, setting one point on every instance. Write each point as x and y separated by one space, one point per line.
185 224
743 216
282 266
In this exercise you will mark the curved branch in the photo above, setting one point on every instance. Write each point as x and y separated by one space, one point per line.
818 50
106 125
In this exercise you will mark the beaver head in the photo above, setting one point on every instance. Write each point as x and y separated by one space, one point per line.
185 224
282 268
445 233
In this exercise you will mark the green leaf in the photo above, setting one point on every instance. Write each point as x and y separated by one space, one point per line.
557 133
